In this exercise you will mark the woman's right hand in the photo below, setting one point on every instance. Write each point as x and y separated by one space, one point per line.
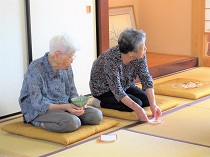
141 114
73 109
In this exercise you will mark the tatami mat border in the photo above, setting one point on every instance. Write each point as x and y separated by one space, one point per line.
186 105
79 143
173 139
171 111
166 113
199 100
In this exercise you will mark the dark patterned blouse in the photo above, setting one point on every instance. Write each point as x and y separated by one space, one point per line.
42 87
110 74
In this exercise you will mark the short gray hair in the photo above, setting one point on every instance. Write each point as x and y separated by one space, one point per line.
63 43
130 40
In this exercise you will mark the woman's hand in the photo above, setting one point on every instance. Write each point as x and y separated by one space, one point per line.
141 114
84 106
156 111
73 109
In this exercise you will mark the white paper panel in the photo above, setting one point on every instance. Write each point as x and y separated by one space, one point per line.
207 14
207 3
207 26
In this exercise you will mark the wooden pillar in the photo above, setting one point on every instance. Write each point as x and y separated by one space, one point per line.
102 25
198 30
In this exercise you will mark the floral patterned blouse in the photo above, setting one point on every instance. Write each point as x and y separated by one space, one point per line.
110 74
42 87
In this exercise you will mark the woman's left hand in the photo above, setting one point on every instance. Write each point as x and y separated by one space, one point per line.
156 111
84 106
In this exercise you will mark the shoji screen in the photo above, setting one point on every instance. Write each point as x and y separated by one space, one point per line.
77 17
13 58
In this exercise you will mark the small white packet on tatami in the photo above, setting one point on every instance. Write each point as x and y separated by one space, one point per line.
108 138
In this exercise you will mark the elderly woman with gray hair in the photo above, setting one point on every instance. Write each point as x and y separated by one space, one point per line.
114 72
48 87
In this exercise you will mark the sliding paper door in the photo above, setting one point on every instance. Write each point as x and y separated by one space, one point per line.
76 17
13 58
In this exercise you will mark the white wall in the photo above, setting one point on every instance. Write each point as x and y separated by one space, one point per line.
167 24
51 17
13 60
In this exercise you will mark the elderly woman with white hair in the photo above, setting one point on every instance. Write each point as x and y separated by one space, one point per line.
114 72
48 87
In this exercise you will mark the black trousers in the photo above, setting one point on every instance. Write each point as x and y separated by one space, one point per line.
136 94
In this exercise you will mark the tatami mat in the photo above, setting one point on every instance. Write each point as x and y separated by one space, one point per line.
14 145
5 153
203 104
131 144
190 124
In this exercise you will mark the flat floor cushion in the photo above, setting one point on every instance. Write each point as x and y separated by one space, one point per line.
183 88
83 132
164 104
